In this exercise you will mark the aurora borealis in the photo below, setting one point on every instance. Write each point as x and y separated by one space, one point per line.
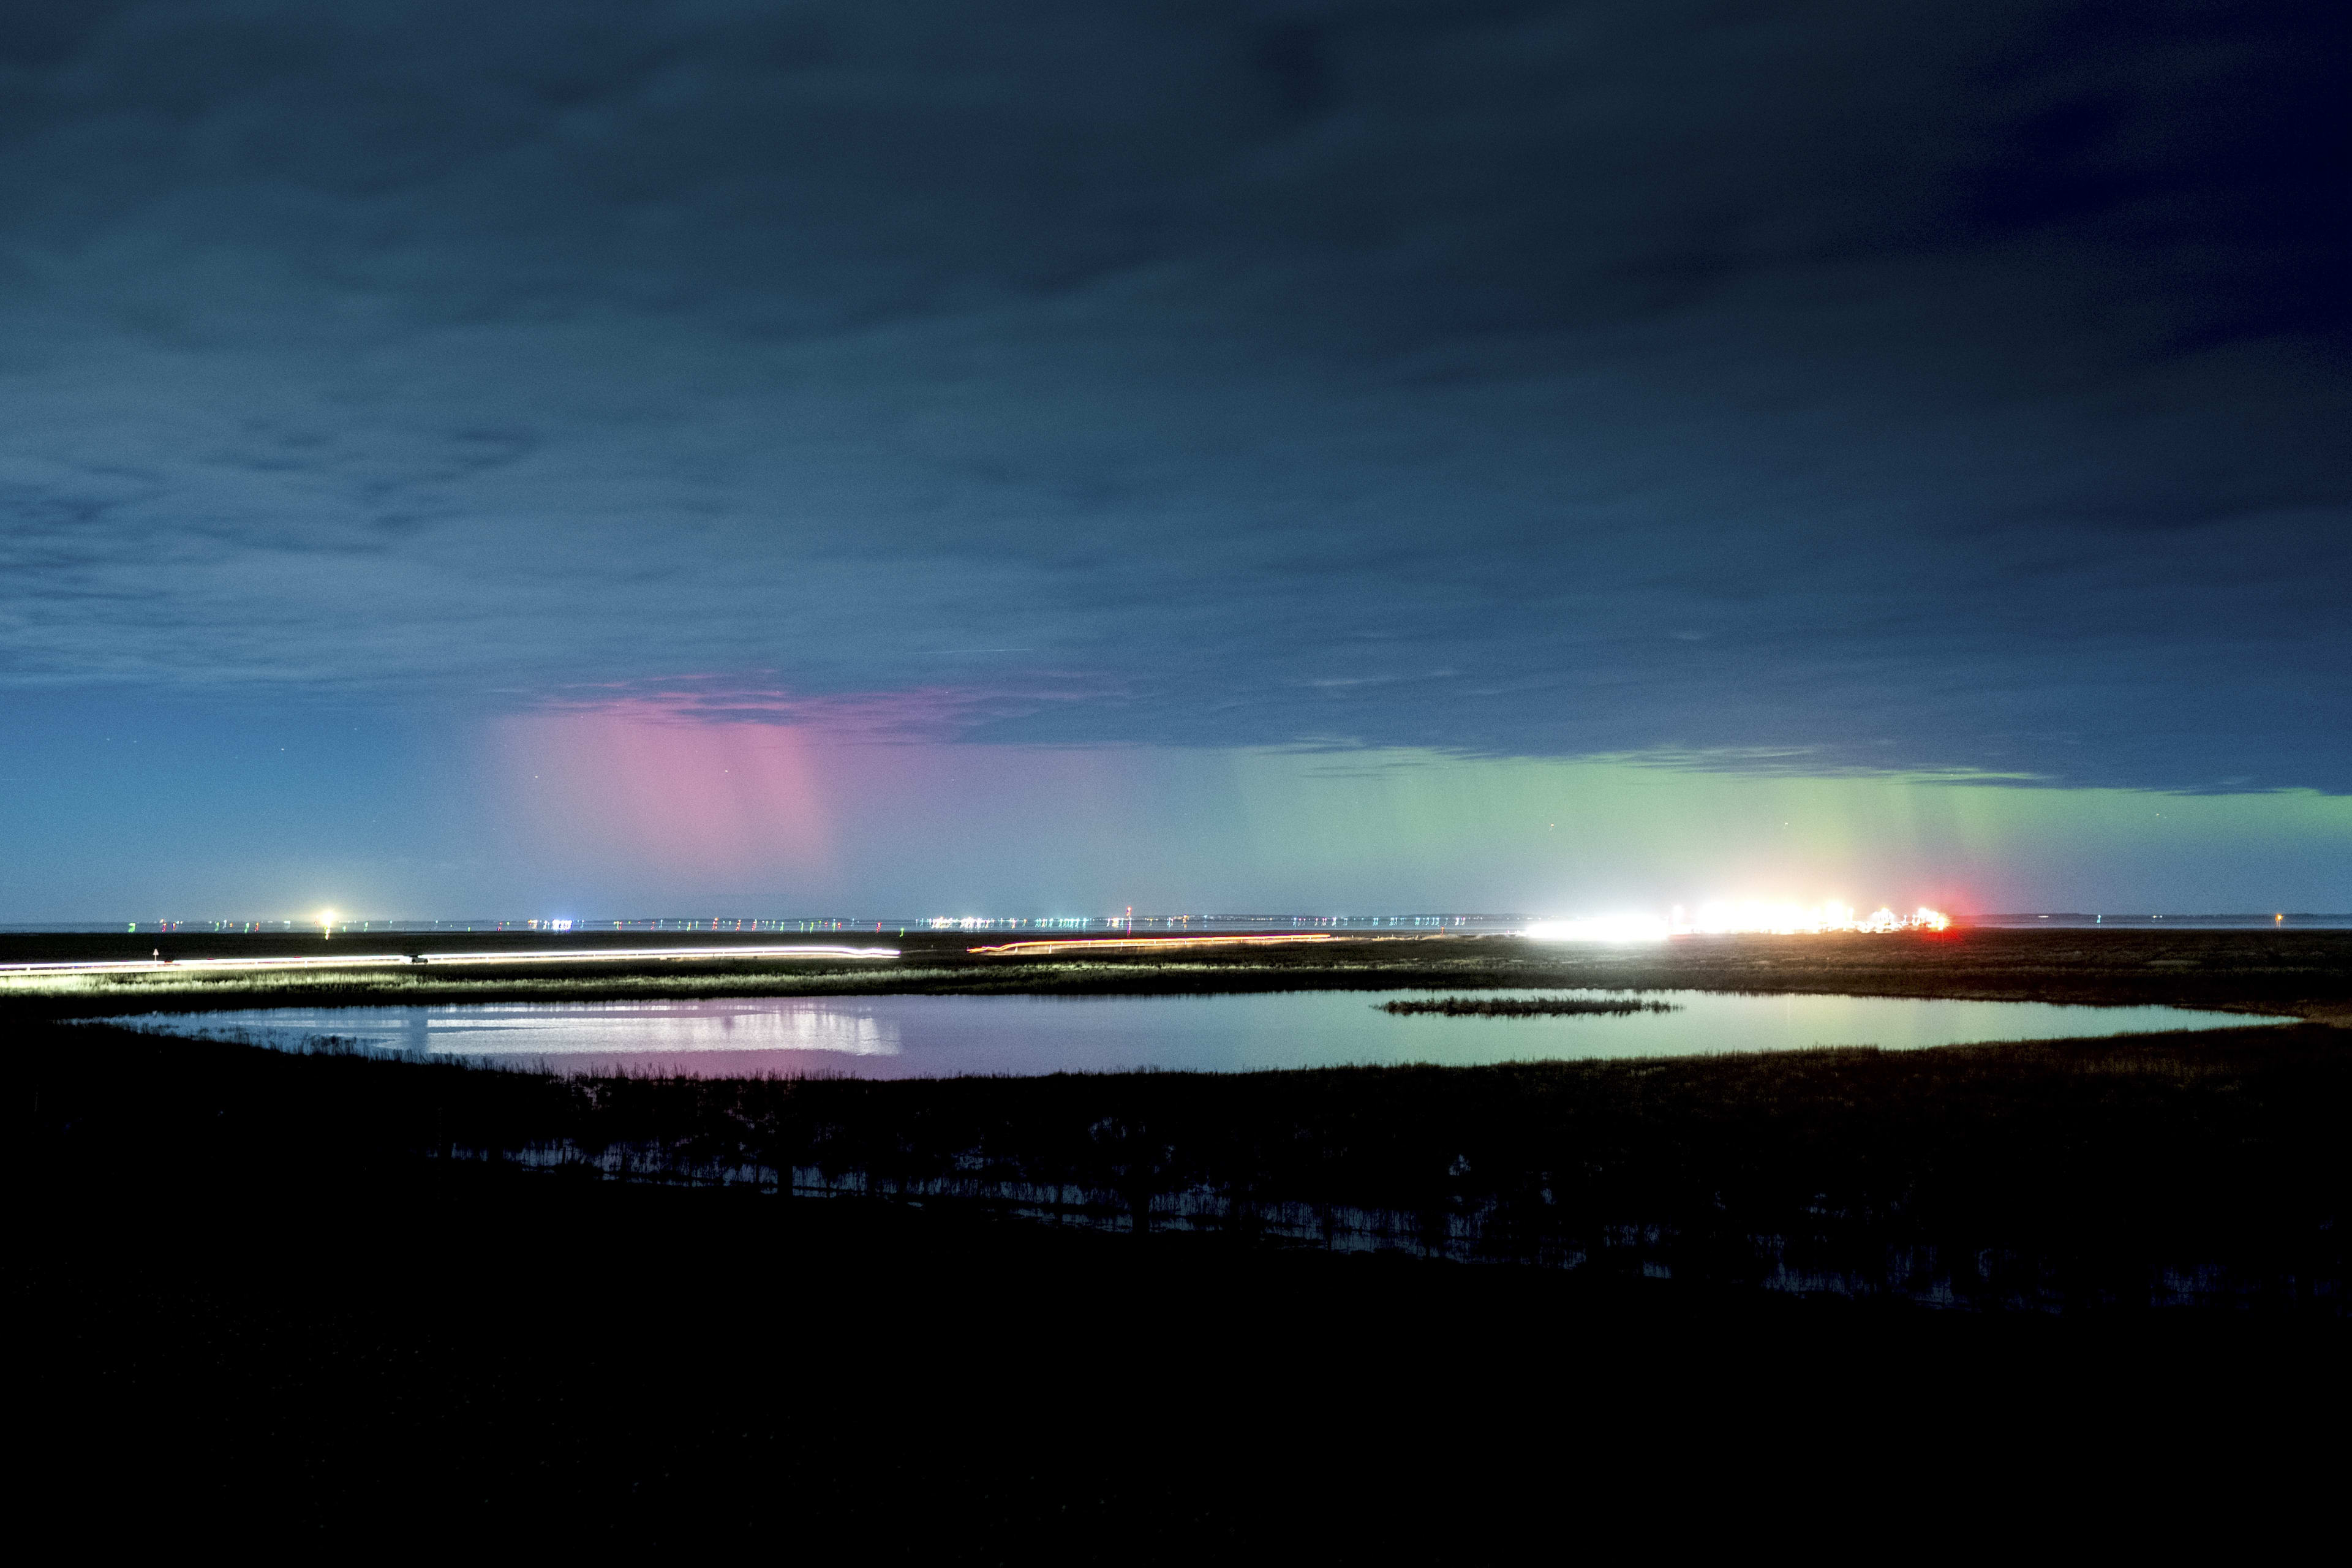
1045 457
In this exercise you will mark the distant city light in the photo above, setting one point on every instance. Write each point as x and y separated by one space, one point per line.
1754 916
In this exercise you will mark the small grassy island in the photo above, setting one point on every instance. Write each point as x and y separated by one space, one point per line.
1527 1007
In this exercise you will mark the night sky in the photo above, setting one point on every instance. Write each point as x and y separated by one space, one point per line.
1036 457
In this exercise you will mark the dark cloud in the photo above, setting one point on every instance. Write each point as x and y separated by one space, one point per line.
1886 385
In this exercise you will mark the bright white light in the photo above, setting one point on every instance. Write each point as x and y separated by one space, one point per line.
326 916
1756 916
1608 928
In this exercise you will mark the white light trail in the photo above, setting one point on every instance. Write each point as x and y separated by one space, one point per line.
374 960
1146 943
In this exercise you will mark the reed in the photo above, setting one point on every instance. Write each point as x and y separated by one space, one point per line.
2044 1172
2026 1173
1529 1006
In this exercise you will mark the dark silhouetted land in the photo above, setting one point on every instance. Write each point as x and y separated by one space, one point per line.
1103 1318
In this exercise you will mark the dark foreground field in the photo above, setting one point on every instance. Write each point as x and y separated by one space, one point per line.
251 1309
244 1316
462 1360
264 1297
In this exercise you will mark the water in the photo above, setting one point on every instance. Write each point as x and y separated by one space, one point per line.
936 1036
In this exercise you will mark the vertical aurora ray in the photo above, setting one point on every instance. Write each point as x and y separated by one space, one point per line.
694 798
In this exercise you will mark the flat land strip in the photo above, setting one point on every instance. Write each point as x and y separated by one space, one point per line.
2303 975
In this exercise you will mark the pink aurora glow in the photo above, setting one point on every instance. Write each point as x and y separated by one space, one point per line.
707 781
696 796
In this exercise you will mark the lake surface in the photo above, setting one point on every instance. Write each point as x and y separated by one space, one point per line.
939 1037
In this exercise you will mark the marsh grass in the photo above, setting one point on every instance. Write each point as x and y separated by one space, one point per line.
2009 1173
354 1300
2037 1173
1528 1006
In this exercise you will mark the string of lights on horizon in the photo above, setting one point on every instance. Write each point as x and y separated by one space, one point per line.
1762 917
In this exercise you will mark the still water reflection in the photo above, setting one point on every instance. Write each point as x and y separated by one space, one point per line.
933 1036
